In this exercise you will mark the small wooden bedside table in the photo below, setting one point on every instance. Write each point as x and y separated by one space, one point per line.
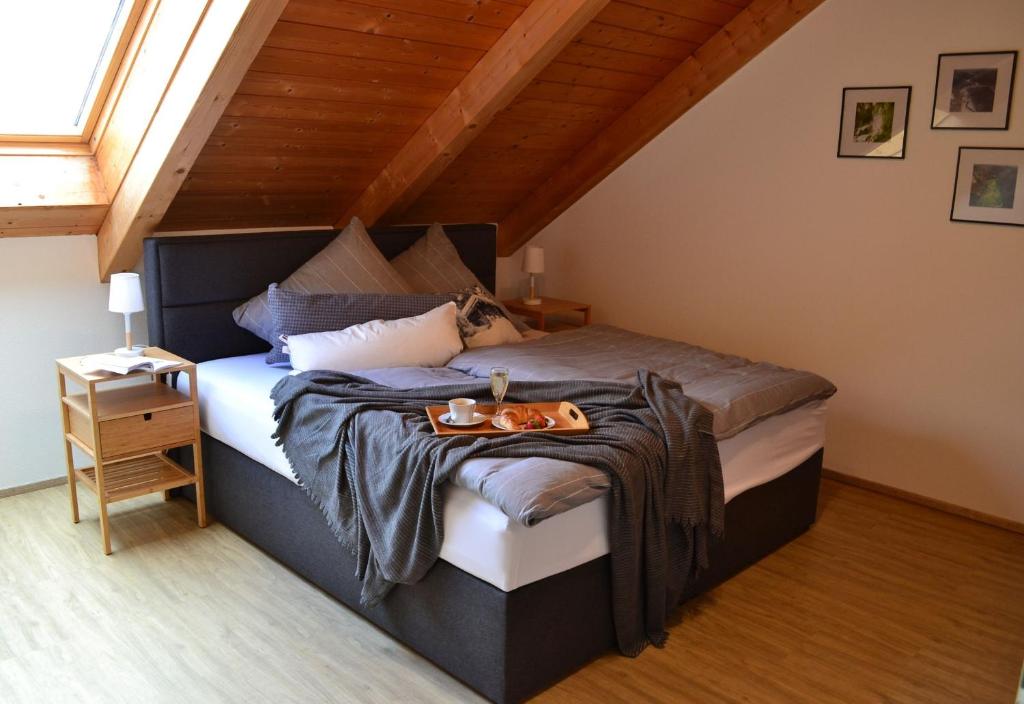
127 430
548 306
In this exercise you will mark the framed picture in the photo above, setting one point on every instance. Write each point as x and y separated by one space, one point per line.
974 91
989 186
873 122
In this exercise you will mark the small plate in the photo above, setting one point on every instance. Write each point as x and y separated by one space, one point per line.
498 422
446 419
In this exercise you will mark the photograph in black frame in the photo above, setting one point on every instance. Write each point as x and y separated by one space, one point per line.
873 122
988 186
974 90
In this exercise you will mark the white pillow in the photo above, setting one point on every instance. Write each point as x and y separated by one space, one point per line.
427 340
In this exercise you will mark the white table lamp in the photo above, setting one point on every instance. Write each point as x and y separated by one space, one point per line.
126 298
533 264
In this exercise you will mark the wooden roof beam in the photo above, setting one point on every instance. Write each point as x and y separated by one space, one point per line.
722 55
527 47
223 43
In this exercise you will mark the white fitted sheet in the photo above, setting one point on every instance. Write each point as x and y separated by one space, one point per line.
235 408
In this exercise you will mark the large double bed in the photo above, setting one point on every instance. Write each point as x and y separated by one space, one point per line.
508 608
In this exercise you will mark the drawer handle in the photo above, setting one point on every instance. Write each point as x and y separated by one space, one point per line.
147 416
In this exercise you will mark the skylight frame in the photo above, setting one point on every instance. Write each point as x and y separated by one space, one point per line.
113 56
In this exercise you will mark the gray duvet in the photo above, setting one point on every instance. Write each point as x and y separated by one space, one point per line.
737 391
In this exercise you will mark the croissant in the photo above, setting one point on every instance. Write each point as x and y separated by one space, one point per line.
514 415
521 417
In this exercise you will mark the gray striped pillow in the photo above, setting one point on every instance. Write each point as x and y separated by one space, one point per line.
351 263
432 265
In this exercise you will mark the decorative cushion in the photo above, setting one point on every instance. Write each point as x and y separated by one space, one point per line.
432 264
483 320
351 263
427 340
297 313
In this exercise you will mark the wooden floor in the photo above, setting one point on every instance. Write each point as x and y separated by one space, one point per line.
882 601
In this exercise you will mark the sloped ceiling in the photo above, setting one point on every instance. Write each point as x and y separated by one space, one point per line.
340 86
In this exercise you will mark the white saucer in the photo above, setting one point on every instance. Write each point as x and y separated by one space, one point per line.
446 419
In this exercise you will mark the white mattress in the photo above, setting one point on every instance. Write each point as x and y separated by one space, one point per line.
235 408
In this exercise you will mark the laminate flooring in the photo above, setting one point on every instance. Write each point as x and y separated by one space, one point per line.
881 601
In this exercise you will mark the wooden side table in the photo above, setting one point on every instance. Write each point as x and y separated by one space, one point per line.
548 306
127 430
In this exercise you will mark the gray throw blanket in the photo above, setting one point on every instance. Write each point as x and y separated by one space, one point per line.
367 455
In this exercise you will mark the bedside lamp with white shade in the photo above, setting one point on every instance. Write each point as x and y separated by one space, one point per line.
533 264
126 298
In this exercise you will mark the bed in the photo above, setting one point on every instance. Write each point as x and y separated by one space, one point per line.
498 583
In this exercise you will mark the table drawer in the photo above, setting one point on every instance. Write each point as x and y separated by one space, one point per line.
123 436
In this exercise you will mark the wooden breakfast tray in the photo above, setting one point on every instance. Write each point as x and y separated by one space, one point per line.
569 420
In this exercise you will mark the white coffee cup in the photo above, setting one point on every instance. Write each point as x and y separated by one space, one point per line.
462 409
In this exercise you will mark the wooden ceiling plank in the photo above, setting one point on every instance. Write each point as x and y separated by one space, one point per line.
610 36
732 47
259 128
294 62
252 164
489 13
614 59
225 43
342 42
529 45
249 222
641 19
579 95
390 22
710 11
270 84
333 111
295 147
531 107
574 74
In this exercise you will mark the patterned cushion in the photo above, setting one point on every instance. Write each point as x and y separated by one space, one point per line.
299 313
432 264
482 320
351 263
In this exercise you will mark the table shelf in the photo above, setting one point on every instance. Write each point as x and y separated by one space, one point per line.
126 479
125 401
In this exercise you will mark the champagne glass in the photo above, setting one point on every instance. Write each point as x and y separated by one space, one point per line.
499 385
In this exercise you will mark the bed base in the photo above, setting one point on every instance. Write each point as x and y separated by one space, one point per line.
507 646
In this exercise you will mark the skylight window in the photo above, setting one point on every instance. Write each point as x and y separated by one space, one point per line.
55 60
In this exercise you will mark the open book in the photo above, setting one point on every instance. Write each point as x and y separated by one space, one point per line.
125 365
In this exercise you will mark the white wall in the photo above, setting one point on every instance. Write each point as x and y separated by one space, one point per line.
739 229
51 305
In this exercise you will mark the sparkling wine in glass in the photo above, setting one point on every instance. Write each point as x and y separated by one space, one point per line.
499 385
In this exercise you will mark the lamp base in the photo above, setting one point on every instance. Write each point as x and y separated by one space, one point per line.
129 351
532 301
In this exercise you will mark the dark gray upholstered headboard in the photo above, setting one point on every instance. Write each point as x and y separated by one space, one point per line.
193 283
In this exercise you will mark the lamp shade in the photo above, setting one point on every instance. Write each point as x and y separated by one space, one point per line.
533 260
125 293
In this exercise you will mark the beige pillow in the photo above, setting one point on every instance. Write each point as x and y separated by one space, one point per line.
351 263
433 265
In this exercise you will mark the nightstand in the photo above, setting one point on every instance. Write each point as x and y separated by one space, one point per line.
549 306
127 429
